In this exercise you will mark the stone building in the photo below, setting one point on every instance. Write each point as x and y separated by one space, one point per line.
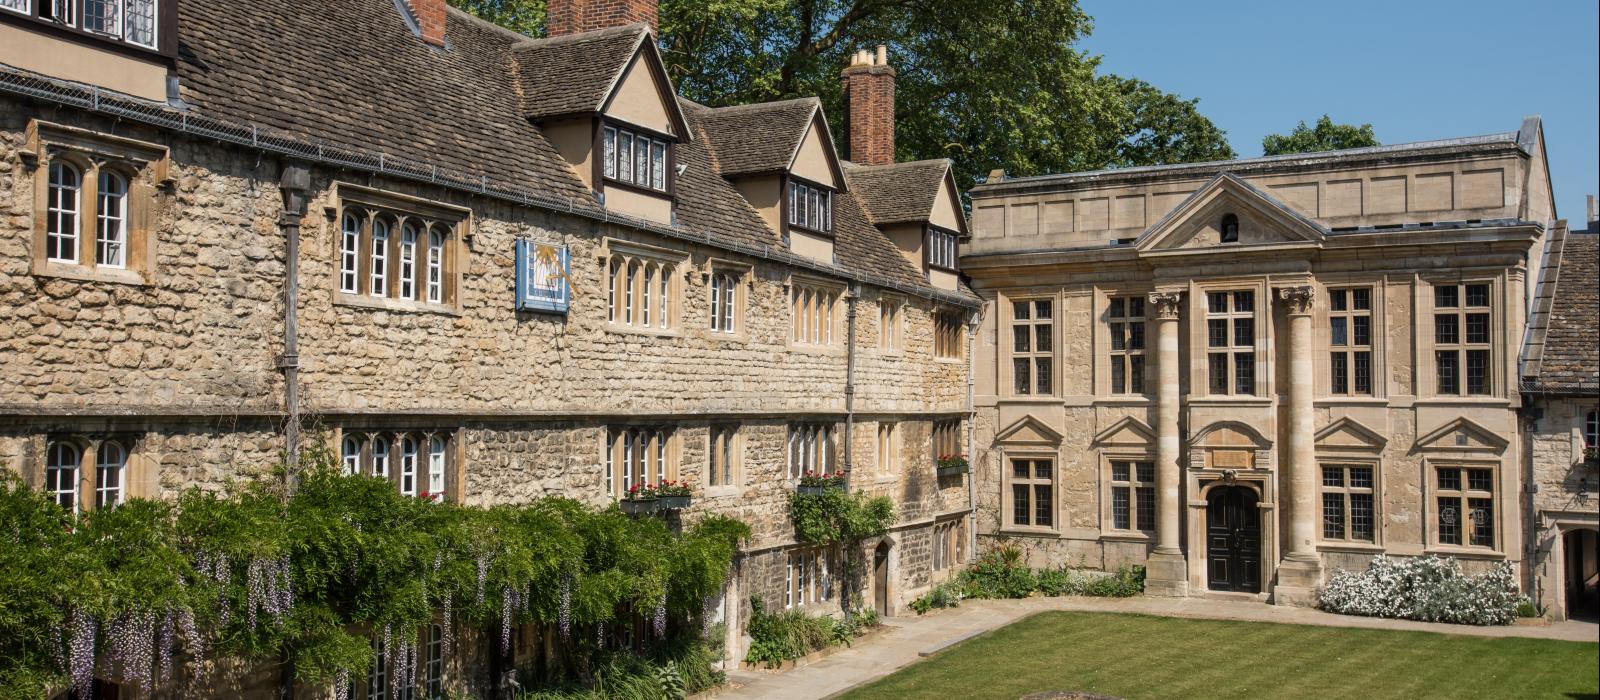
487 267
1248 374
1561 382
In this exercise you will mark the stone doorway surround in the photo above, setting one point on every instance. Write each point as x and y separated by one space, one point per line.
1550 573
1229 453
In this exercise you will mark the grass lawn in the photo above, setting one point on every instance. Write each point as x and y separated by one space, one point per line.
1140 656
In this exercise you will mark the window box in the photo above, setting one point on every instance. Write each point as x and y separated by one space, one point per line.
639 506
816 490
952 465
674 495
1591 457
675 502
816 485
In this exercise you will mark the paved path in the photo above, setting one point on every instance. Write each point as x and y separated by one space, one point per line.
908 637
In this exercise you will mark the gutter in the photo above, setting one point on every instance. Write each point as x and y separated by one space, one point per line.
972 440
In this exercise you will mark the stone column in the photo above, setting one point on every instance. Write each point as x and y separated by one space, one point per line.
1166 573
1300 573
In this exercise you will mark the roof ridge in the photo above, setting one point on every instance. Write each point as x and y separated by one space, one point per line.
889 166
608 32
751 106
1497 137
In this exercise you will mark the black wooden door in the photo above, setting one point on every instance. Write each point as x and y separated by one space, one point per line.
1233 540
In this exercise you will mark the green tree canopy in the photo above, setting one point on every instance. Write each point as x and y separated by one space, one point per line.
1325 136
987 84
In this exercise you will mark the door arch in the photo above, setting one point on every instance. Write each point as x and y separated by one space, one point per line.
1233 539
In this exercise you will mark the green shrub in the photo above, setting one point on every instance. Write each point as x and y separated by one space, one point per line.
791 634
1527 608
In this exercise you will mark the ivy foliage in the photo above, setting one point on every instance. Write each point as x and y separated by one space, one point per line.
264 574
837 517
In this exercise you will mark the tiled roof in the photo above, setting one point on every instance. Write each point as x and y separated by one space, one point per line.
758 138
464 109
899 192
573 74
1570 360
351 73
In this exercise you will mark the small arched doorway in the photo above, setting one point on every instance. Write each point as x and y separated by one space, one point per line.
1233 539
1580 549
880 578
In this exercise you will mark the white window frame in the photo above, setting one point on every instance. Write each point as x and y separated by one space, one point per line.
111 219
62 470
110 478
436 242
378 258
942 246
22 7
350 253
61 218
436 466
811 449
409 237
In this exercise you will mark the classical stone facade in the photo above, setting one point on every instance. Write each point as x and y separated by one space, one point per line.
466 299
1248 374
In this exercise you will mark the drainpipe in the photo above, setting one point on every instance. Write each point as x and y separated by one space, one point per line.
852 294
1528 417
972 438
294 183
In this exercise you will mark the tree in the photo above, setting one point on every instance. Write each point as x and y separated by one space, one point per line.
1326 136
987 84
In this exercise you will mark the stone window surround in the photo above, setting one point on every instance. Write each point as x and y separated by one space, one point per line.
369 203
824 454
1194 315
1006 343
1375 463
946 550
1430 517
612 450
88 447
744 283
454 453
1350 348
1380 287
144 166
1587 434
734 434
888 448
796 284
950 338
1108 529
891 324
1102 341
1203 350
1008 525
1426 369
814 574
676 264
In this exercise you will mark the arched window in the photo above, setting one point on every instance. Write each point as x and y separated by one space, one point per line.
1230 229
611 289
378 284
61 474
61 213
111 220
633 274
436 467
408 261
380 457
350 455
111 462
436 266
408 465
350 254
661 308
649 288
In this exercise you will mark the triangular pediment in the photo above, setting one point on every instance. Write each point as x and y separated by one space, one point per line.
1195 225
1462 434
1028 431
641 95
1128 431
1350 434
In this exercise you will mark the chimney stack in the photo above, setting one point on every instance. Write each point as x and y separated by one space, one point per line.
1593 212
563 17
430 19
869 107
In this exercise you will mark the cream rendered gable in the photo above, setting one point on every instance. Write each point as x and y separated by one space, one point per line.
638 98
946 212
814 159
1196 222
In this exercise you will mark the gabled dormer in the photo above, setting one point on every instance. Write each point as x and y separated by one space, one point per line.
604 101
918 207
122 45
780 156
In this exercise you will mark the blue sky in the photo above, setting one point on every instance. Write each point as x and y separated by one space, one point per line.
1414 70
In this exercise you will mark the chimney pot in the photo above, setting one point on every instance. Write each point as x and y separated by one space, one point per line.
563 17
883 55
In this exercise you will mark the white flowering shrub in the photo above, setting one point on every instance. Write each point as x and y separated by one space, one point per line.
1430 589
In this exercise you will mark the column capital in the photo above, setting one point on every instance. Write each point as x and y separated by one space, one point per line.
1299 299
1166 305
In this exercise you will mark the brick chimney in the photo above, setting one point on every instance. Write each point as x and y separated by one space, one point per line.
869 108
563 17
430 19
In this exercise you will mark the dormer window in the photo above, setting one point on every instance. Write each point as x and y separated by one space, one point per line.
941 248
127 21
1230 229
810 207
631 157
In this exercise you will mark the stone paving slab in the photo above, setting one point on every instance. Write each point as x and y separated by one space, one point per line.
907 637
